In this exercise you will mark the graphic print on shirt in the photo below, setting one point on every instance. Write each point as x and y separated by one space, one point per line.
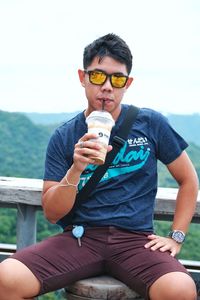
133 156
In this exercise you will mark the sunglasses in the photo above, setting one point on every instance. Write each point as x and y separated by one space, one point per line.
98 77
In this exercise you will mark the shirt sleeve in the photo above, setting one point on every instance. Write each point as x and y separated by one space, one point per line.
56 164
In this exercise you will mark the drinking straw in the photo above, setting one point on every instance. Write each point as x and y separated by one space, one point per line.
103 104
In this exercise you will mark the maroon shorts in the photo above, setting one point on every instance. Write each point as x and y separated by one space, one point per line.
59 261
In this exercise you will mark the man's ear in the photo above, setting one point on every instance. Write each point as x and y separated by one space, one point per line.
129 81
81 75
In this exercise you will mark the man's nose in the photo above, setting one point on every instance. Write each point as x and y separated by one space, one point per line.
107 84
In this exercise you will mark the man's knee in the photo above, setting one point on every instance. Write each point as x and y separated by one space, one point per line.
6 275
13 275
173 286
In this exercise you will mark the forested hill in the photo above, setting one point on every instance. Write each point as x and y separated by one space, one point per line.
186 125
23 146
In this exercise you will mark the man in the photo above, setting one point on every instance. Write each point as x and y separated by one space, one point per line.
116 221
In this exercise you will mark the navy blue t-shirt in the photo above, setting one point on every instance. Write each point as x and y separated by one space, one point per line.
125 196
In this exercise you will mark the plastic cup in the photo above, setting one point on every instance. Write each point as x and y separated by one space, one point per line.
101 123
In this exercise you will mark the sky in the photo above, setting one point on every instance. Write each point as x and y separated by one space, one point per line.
42 43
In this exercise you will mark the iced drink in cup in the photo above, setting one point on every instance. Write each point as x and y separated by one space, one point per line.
101 123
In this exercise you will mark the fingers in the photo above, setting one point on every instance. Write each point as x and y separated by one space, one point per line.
109 148
163 244
86 147
81 144
89 145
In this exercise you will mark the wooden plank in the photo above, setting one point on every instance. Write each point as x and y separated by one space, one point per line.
23 183
20 190
28 191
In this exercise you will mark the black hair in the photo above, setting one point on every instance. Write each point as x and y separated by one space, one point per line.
108 45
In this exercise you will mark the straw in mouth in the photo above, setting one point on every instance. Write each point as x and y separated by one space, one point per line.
103 104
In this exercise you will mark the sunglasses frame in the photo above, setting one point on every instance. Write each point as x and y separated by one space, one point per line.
89 72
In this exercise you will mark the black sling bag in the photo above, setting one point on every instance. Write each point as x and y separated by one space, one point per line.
118 142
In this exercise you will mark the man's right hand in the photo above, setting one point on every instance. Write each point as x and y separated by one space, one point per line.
85 148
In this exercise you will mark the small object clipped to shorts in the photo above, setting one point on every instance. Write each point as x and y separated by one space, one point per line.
78 232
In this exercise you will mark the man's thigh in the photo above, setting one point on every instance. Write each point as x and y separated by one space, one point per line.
59 260
135 265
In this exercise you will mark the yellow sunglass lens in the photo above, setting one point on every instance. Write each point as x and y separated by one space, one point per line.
118 81
97 77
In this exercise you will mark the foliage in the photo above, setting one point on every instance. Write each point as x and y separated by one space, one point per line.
166 180
8 225
22 147
190 249
52 296
44 228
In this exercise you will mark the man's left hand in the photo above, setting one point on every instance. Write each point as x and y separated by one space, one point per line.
163 244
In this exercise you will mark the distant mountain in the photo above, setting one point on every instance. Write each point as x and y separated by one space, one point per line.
50 118
166 180
23 146
187 126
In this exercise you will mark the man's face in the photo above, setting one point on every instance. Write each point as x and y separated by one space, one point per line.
97 94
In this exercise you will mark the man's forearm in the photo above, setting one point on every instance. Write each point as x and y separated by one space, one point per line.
59 198
185 206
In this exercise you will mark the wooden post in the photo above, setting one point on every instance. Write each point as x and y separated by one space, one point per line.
26 225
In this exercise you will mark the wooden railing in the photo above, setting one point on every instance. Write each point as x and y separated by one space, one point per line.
25 195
